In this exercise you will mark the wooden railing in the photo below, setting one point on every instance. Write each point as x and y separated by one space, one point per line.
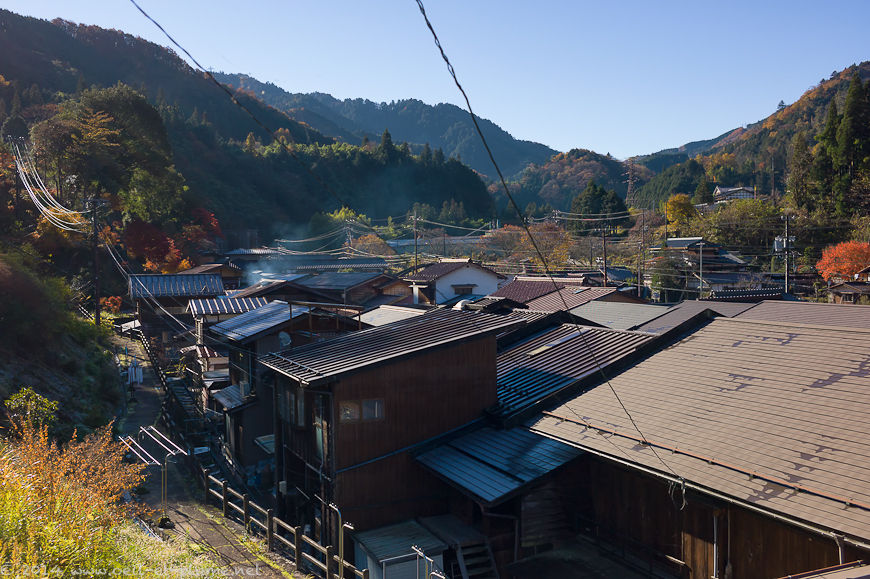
280 536
152 357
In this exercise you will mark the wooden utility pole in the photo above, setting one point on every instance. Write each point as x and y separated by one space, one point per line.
415 242
604 250
96 265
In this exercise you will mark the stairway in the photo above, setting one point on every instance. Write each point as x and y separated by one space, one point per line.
476 562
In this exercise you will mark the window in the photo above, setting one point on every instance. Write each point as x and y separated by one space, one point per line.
464 289
373 409
348 411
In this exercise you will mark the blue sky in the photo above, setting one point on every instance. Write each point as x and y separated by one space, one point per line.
626 77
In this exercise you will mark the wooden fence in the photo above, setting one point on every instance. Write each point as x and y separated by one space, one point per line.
286 539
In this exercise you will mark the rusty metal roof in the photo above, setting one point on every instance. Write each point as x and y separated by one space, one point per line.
768 413
572 296
524 290
438 270
557 358
320 361
684 311
491 465
176 285
216 306
841 315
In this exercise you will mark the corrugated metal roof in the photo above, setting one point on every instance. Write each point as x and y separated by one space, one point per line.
550 361
176 285
338 280
853 570
396 540
216 306
389 314
315 362
786 402
838 315
572 296
684 311
253 323
491 465
230 397
618 315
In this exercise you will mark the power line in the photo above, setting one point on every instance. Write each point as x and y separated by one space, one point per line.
526 227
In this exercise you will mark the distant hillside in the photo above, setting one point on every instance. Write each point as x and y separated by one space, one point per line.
224 158
757 156
563 177
658 162
443 126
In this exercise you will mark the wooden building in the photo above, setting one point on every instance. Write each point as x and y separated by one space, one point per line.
743 455
246 401
349 410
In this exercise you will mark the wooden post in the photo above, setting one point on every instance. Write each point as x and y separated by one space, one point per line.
297 544
225 500
270 528
246 510
204 482
365 574
329 573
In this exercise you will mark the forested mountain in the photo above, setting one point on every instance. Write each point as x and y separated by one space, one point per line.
221 160
760 156
443 126
557 182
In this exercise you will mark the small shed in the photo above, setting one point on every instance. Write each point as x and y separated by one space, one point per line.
386 552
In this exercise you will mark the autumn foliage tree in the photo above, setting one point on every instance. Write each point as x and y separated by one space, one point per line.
844 260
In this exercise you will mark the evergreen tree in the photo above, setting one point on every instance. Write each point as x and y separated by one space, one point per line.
852 130
799 170
387 151
703 193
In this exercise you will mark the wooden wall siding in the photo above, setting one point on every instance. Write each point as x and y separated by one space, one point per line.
424 396
763 547
389 491
640 507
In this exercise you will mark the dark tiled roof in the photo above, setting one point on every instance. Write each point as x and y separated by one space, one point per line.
492 465
550 361
684 311
838 315
176 285
224 305
768 413
618 315
572 296
396 540
320 361
851 287
746 295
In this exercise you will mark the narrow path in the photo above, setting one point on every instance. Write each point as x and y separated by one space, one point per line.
235 552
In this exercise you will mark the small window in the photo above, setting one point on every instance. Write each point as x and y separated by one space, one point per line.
348 411
463 290
373 409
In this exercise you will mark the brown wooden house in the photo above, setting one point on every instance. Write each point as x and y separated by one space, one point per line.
743 455
349 410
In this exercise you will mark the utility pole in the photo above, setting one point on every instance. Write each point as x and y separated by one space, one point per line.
604 250
701 271
639 278
96 265
642 246
787 249
415 242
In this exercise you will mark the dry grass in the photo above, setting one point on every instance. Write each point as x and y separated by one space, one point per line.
63 513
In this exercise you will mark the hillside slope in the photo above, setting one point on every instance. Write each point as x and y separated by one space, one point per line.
443 126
